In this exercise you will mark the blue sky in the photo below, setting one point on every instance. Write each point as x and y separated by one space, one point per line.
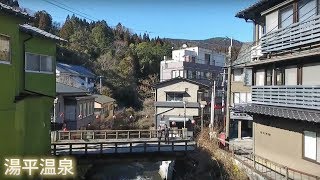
183 19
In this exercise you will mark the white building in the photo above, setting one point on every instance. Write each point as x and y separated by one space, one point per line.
192 63
75 76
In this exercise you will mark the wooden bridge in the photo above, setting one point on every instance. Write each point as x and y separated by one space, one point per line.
105 142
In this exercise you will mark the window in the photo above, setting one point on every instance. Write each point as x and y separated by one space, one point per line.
172 96
84 109
38 63
207 59
240 98
310 71
237 75
208 75
272 22
307 9
310 145
198 74
269 77
259 78
190 74
88 108
80 109
202 75
279 76
286 16
4 49
291 75
248 76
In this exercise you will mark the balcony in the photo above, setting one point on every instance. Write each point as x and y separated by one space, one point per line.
306 97
296 35
256 51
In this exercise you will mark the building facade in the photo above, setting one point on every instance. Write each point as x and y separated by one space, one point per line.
178 101
74 107
76 76
240 122
103 106
28 88
285 92
193 63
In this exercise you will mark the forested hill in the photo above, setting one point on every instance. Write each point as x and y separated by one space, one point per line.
129 62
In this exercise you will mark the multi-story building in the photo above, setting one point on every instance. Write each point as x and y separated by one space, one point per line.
27 61
193 63
240 122
74 107
285 92
76 76
179 100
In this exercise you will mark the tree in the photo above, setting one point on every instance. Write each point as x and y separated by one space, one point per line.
43 20
67 29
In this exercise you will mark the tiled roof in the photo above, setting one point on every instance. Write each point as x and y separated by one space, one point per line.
66 89
39 32
103 99
76 70
283 112
256 8
15 11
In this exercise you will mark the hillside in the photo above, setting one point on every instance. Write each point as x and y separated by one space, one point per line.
219 44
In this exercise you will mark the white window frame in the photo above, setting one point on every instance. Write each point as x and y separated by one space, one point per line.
3 61
40 71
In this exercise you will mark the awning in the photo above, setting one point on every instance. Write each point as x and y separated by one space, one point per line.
176 119
290 113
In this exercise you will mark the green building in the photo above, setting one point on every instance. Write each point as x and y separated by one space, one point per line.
27 90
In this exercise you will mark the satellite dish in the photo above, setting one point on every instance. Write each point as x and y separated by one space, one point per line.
184 46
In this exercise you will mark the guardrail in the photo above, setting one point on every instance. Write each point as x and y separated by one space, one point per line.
84 148
114 134
296 35
263 166
287 96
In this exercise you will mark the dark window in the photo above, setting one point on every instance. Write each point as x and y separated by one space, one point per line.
286 16
207 58
173 96
269 77
306 10
279 73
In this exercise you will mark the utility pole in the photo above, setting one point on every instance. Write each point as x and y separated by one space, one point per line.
184 121
213 96
100 84
229 90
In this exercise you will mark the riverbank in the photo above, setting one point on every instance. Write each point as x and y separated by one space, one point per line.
208 162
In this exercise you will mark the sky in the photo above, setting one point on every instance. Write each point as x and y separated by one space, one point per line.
180 19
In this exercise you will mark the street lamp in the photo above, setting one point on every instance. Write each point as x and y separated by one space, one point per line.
202 106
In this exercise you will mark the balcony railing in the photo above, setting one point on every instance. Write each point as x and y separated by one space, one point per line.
296 35
256 51
307 97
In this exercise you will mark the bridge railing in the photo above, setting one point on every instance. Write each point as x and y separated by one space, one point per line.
85 148
114 134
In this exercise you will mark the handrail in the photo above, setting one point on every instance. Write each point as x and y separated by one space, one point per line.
113 134
99 147
272 165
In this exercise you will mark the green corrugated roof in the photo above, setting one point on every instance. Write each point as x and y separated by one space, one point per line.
103 99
